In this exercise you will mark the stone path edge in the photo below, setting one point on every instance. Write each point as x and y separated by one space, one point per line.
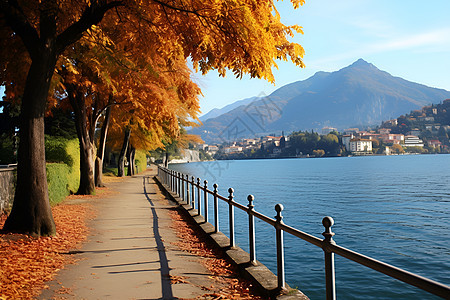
264 279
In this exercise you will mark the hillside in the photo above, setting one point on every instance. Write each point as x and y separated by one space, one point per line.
357 95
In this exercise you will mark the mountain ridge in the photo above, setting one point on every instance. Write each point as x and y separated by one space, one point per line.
357 95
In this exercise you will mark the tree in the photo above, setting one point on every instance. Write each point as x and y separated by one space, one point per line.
101 148
319 152
240 36
398 149
44 35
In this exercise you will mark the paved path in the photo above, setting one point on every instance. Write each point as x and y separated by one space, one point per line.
129 254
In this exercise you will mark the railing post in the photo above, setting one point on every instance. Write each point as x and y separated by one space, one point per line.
329 258
231 216
192 192
182 186
187 189
205 198
251 229
216 209
179 183
199 203
172 179
280 247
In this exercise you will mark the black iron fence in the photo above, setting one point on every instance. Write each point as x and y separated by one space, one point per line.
192 190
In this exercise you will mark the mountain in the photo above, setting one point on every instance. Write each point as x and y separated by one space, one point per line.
357 95
215 112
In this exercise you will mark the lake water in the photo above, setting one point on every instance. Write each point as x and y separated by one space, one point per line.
393 208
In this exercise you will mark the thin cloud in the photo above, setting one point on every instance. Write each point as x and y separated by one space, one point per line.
440 37
427 42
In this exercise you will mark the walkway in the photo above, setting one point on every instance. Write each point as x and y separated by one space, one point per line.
130 254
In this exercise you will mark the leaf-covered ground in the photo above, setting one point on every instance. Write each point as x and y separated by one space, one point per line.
26 263
224 273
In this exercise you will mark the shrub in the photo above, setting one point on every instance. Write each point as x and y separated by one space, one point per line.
57 179
141 161
61 150
73 149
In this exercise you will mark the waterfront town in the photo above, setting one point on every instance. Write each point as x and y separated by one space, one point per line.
420 132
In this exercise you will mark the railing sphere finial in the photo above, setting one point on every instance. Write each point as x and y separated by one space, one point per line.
279 208
205 182
250 199
231 191
327 223
215 186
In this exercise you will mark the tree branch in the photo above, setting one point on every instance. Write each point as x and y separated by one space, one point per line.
18 22
92 15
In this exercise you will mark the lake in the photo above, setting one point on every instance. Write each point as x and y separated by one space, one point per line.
393 208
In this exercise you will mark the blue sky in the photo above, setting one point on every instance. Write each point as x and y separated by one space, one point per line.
408 39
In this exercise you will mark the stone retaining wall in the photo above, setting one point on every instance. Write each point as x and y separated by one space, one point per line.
7 188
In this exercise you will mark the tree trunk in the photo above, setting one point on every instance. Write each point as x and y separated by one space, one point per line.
133 161
31 213
121 165
130 157
101 149
87 182
166 159
87 152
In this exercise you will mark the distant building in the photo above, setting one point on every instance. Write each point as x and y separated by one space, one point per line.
346 141
360 145
392 138
327 130
232 149
384 130
351 130
250 141
434 143
370 136
413 141
415 132
212 149
272 139
393 122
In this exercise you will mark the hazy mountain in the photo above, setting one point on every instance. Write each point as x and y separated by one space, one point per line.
215 112
357 95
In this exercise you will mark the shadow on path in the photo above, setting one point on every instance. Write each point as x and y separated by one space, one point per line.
165 270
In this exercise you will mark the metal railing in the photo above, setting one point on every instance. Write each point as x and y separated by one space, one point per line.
180 184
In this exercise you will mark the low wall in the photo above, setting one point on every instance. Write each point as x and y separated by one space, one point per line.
259 274
7 188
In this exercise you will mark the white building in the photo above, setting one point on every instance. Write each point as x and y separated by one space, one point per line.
360 145
346 141
232 149
212 149
413 141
